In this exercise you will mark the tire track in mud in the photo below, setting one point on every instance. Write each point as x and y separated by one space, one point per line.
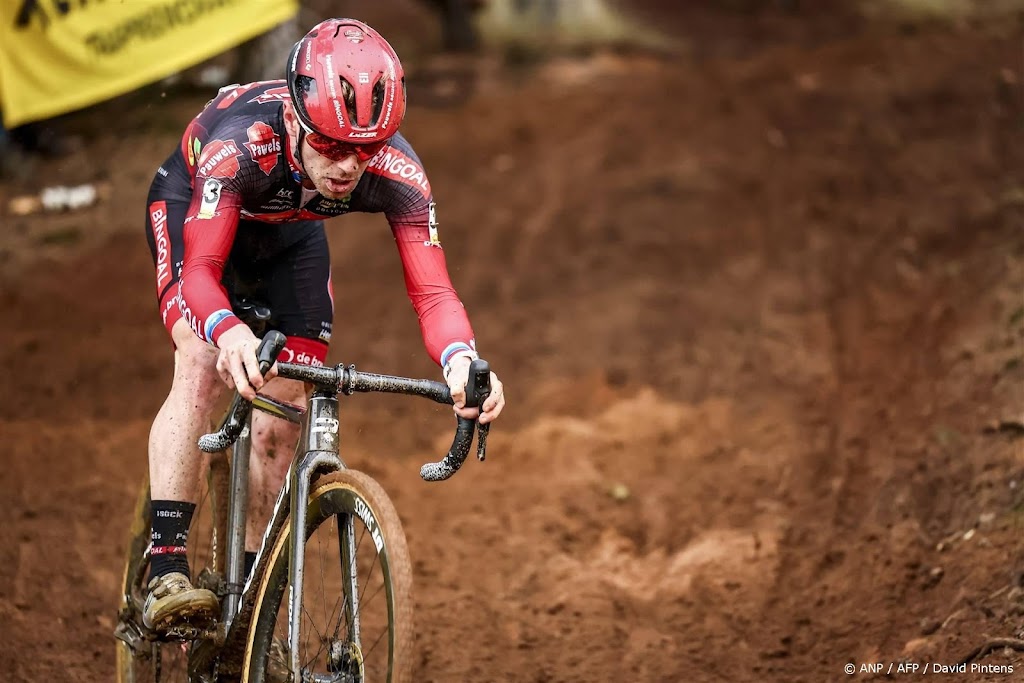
862 545
643 527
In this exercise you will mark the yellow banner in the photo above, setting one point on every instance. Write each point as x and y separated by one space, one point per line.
60 55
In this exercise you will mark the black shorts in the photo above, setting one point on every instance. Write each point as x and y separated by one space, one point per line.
284 267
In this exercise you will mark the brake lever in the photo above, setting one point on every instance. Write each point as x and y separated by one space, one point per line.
234 422
270 348
478 388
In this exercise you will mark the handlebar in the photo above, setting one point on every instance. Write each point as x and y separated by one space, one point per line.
347 380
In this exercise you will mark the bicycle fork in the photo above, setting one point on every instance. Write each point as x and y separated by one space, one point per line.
320 447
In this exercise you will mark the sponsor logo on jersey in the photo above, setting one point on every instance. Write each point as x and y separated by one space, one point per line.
186 313
211 198
219 159
276 205
333 205
279 94
264 145
435 238
172 303
158 217
233 91
391 163
289 355
191 144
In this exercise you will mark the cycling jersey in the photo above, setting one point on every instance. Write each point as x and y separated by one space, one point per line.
235 168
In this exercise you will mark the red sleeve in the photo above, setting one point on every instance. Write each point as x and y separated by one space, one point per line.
208 235
443 320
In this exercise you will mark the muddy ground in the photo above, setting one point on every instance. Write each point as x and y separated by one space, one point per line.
759 313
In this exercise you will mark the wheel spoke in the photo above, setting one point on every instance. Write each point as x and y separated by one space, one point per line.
319 636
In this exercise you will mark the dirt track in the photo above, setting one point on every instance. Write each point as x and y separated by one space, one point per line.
777 298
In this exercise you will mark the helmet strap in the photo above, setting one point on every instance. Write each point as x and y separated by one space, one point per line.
296 156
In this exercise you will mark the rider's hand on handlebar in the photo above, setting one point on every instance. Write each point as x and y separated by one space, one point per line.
237 364
458 376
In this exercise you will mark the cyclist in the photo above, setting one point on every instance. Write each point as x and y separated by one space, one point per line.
237 212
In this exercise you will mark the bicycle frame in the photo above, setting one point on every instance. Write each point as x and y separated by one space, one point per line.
319 448
316 451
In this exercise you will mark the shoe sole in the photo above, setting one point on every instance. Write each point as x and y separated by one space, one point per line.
195 612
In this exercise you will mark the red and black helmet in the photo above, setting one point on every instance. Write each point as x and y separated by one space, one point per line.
347 83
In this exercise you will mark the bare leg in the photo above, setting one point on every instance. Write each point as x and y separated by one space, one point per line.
174 456
273 446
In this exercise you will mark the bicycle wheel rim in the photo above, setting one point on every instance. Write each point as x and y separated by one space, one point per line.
385 604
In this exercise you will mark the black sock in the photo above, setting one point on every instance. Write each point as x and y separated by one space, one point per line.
250 560
171 519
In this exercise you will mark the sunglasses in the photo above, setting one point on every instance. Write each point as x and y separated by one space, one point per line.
336 150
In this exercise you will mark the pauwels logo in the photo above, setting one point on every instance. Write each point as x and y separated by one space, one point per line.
264 145
219 159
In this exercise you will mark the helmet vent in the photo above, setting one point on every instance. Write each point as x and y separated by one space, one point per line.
348 94
306 88
377 101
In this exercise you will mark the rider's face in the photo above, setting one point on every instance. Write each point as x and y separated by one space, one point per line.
333 178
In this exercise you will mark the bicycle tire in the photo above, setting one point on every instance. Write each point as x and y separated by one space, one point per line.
334 497
168 661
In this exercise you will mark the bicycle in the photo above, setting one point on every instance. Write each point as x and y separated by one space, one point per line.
258 639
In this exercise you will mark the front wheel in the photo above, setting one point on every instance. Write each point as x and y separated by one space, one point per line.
357 612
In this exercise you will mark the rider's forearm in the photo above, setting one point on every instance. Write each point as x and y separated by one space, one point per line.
444 323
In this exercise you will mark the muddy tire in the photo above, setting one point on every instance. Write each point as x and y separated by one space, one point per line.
384 578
